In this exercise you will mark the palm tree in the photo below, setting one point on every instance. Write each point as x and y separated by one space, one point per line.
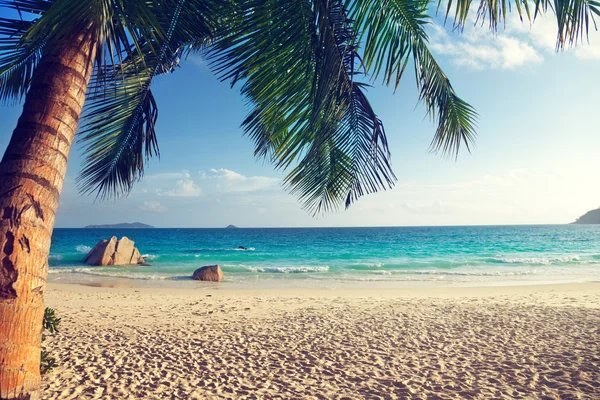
302 65
61 52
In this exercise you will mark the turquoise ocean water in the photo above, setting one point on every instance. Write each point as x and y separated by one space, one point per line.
355 257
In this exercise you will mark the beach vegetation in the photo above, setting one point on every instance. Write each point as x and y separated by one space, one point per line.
50 325
303 66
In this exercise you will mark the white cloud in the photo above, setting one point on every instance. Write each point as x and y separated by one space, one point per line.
152 206
226 174
226 180
589 51
165 176
214 181
543 34
478 49
517 44
184 186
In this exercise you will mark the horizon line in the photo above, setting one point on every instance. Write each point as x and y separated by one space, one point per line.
324 227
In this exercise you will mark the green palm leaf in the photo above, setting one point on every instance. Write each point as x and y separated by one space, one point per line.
395 34
117 26
19 57
349 156
299 61
119 133
119 136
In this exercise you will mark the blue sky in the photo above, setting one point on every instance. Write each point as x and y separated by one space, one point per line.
536 158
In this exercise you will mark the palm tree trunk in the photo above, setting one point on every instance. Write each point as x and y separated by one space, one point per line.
32 172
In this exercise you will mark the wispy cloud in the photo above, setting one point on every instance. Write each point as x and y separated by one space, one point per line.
478 49
153 206
516 44
184 186
226 180
198 61
215 181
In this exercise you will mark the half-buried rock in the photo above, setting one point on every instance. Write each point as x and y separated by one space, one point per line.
114 252
211 273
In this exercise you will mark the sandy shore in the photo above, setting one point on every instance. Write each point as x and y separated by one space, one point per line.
503 343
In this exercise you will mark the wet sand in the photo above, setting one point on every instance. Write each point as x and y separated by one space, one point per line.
446 343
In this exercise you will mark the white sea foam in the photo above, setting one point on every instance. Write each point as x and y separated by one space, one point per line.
111 274
287 270
60 270
150 256
198 252
537 260
374 265
57 257
83 249
470 273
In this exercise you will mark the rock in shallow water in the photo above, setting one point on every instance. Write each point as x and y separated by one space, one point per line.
212 273
114 252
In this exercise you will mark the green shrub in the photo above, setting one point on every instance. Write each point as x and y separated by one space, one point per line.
49 324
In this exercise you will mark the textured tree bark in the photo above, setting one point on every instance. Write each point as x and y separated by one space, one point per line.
31 177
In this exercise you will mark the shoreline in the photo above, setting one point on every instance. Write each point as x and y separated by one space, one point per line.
585 295
292 282
404 292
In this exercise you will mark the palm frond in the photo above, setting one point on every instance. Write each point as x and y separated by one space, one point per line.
299 63
349 156
267 45
494 12
387 30
395 34
350 163
574 18
119 133
117 27
457 120
119 136
19 57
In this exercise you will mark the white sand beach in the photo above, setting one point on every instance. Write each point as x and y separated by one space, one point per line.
534 342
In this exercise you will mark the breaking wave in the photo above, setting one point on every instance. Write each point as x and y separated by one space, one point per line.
537 260
217 250
286 270
83 249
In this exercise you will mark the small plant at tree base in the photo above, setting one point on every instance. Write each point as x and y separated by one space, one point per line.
49 324
47 363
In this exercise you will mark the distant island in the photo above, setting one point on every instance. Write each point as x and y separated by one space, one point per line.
590 217
135 225
231 227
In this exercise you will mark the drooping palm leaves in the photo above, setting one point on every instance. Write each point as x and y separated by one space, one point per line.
18 57
349 156
119 133
326 125
307 107
121 113
136 40
116 25
393 33
302 65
